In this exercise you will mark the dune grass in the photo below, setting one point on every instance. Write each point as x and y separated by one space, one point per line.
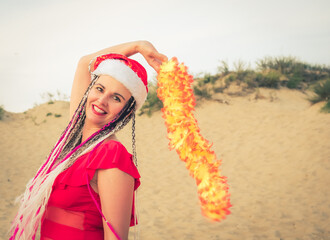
271 72
153 103
50 97
2 112
322 93
326 107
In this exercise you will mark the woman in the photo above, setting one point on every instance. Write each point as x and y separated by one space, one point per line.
85 189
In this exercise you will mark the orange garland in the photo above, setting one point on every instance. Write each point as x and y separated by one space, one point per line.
174 90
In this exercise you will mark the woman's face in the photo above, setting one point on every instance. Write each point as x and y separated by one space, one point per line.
105 100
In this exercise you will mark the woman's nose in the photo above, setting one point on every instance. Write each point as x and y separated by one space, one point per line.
103 99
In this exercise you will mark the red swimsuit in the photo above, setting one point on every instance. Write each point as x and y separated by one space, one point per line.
71 212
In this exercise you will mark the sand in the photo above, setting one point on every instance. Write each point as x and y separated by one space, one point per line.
275 152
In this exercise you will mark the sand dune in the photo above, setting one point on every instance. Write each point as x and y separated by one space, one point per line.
275 152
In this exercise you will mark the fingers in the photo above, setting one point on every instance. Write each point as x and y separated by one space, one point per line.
162 57
157 60
155 64
150 53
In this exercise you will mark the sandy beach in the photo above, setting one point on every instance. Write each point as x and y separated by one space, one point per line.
275 152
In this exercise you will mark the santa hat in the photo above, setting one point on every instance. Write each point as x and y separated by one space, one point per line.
127 71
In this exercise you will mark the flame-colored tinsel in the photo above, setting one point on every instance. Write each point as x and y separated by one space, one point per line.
174 89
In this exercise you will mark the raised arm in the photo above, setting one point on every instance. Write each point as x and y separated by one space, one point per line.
82 75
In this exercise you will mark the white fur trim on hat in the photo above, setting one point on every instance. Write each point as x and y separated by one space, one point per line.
124 74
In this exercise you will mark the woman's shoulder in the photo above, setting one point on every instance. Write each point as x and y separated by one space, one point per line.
107 155
112 154
111 147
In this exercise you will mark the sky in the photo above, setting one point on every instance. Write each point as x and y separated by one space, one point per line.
42 40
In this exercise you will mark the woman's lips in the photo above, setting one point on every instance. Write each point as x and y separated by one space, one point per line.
97 110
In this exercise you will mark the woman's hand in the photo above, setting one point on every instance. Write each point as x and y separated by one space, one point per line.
152 56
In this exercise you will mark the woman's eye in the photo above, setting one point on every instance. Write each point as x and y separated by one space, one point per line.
99 89
117 99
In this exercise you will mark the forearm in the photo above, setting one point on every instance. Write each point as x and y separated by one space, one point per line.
127 49
145 48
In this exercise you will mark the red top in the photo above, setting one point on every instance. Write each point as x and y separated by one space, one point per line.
71 212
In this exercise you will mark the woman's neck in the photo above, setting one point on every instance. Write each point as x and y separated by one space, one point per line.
88 131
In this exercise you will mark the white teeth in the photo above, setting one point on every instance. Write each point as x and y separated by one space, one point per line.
98 109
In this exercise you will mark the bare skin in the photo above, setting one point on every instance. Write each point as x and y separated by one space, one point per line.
107 98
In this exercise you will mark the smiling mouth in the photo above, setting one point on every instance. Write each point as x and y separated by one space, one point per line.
98 110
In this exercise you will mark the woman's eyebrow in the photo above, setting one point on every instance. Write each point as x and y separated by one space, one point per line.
120 96
99 84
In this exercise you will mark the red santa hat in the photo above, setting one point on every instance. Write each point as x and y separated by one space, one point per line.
127 71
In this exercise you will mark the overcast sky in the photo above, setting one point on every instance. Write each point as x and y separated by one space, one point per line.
42 40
